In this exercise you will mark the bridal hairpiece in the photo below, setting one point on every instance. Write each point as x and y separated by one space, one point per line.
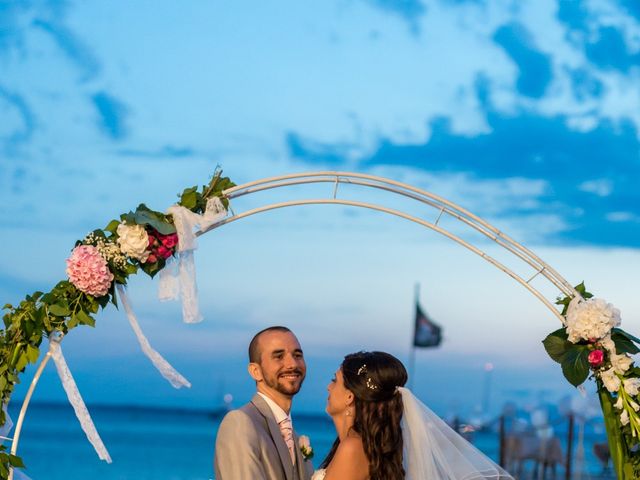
371 385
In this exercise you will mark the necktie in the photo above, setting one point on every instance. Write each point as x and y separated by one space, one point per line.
286 429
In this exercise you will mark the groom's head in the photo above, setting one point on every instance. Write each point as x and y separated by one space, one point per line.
276 362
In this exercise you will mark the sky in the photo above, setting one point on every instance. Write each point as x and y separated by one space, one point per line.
526 113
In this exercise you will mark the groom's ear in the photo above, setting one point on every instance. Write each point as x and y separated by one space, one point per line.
255 371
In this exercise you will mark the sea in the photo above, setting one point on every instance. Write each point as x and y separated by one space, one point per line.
148 443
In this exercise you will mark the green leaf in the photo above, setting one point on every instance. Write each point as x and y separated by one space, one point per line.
16 461
623 343
85 319
22 362
557 345
113 226
59 310
626 334
32 353
189 198
157 220
575 365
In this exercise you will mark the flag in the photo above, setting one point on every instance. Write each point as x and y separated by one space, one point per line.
426 333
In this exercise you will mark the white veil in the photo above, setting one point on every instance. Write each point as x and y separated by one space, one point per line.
434 451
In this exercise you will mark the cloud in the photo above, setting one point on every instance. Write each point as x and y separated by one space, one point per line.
18 120
409 10
112 114
534 66
166 151
72 46
604 46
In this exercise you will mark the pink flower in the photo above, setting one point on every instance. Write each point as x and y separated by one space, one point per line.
164 252
596 357
170 240
88 271
151 258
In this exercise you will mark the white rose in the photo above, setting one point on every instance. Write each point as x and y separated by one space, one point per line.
611 380
624 418
590 319
304 442
133 241
631 386
621 363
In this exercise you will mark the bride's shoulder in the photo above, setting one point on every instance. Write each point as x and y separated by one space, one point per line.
349 460
351 445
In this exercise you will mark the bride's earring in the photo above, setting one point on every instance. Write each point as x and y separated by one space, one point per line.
347 412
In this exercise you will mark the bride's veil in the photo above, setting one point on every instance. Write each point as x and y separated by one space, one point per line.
433 450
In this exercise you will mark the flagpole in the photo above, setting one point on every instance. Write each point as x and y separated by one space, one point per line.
412 351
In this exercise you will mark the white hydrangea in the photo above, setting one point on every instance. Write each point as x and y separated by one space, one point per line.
590 319
632 386
133 241
608 343
611 380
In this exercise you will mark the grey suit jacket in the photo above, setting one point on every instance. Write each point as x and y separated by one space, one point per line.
249 446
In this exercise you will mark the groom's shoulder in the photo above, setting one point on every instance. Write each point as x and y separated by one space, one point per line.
245 414
243 419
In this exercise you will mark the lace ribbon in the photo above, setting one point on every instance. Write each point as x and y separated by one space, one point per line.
75 399
164 367
179 277
8 425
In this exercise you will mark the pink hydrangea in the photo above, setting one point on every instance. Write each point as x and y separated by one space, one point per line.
88 271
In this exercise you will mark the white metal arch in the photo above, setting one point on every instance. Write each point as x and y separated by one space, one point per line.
441 206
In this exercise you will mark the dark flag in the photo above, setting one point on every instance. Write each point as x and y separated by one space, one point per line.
426 333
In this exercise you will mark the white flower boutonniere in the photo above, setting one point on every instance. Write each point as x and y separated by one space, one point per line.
305 447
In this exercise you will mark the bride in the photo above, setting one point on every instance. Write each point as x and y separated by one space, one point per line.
386 433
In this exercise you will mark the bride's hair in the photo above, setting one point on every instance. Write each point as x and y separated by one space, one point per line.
374 378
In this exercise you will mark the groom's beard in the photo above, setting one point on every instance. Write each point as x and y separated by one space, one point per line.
287 382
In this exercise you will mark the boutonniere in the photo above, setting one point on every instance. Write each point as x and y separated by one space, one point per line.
305 447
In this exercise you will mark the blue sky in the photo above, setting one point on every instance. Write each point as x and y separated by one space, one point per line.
526 113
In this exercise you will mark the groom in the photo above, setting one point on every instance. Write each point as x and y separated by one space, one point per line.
257 441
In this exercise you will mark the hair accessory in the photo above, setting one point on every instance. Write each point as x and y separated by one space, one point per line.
362 369
371 385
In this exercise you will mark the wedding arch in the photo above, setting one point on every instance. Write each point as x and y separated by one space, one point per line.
588 343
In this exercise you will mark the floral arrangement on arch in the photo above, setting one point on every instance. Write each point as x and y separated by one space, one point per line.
143 239
590 344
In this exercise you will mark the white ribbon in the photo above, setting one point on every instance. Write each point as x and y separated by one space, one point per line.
8 425
75 399
164 367
179 278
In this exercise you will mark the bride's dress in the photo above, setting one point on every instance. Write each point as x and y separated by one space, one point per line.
319 474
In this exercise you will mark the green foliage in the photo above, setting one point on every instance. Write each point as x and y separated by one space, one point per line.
581 289
65 307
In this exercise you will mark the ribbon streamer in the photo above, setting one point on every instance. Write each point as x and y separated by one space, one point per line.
179 278
164 367
8 425
75 399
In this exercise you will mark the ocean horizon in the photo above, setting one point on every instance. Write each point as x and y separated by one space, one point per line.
166 443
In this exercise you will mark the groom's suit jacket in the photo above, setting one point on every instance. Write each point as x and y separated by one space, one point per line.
249 446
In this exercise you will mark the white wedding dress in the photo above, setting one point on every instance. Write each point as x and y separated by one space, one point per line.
434 451
319 474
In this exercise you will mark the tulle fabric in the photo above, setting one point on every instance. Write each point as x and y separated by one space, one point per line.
178 278
319 474
434 451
